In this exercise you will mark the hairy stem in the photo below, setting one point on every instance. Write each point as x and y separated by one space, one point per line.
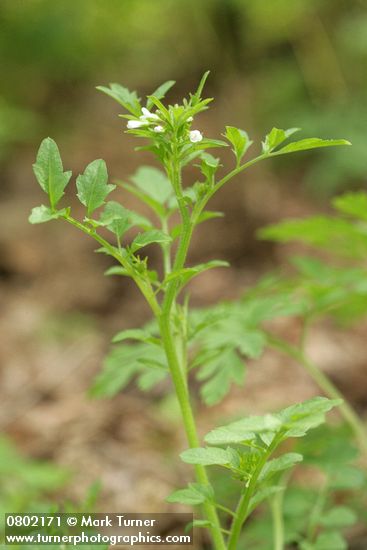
183 397
177 369
166 248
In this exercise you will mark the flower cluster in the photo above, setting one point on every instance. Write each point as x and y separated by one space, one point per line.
148 118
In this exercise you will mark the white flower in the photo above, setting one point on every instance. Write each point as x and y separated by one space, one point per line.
132 124
144 120
195 136
148 115
159 129
190 119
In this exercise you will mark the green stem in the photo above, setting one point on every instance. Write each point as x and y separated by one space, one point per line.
199 207
225 509
143 285
166 248
236 171
189 224
242 510
316 513
278 522
177 370
183 397
327 386
174 174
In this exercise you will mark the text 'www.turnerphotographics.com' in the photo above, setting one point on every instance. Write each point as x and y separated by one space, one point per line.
99 529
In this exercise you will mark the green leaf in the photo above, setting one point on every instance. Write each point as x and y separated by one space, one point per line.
209 215
49 172
92 185
116 270
150 237
206 456
116 218
339 517
345 237
162 111
330 541
122 364
257 308
298 419
239 140
249 342
159 209
186 496
42 214
187 273
193 495
276 465
209 143
276 137
209 165
200 523
153 183
354 204
293 421
150 378
135 334
219 379
122 95
347 477
161 91
310 143
195 98
243 430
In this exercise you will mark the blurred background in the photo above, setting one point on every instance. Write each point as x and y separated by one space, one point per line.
285 64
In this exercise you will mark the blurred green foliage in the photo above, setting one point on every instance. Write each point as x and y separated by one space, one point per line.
26 484
293 61
316 514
